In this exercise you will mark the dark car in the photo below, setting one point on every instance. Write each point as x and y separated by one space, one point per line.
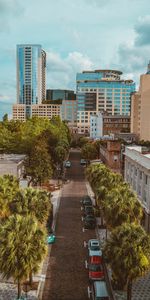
86 200
88 210
83 162
89 222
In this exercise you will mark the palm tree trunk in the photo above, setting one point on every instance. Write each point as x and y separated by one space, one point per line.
30 278
129 290
19 289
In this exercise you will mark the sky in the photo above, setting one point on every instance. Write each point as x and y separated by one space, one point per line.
77 35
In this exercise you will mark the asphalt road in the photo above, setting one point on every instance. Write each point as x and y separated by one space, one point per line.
67 278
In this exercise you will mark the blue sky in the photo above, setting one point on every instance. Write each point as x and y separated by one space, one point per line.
77 35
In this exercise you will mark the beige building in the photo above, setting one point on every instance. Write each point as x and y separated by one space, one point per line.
39 110
140 109
67 110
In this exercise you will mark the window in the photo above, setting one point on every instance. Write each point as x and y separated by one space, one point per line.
146 179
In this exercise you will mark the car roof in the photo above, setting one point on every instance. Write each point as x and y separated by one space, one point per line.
100 289
95 252
93 242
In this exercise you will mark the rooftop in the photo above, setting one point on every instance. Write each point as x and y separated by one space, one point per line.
11 158
104 70
139 154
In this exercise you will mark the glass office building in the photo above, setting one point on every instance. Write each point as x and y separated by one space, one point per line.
101 91
58 94
31 69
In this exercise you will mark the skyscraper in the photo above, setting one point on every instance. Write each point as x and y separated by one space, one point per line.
31 69
104 91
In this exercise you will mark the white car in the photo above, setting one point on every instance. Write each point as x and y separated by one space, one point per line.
94 248
67 164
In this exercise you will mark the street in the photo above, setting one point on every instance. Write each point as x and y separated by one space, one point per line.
67 278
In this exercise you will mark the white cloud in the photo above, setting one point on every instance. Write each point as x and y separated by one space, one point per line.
5 98
133 57
62 71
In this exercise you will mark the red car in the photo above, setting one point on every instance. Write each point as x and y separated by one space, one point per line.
95 267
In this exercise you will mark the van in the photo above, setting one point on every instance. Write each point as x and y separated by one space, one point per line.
99 291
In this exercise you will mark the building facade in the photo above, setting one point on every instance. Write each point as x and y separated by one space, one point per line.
137 174
140 109
103 124
104 91
58 94
31 80
37 110
69 111
96 126
12 164
110 154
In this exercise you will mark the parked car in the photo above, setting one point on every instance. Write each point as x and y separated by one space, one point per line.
83 162
93 244
88 210
67 164
86 200
96 271
95 259
98 291
51 238
94 248
89 222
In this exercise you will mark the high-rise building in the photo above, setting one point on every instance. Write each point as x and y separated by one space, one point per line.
101 91
31 69
140 108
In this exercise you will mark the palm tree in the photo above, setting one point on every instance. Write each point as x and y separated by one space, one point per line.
128 252
121 205
22 248
8 187
32 202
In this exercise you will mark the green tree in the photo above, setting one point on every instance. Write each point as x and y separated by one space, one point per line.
22 248
121 205
32 202
89 151
8 188
39 165
128 252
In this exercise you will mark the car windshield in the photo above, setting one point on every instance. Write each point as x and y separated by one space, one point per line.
95 268
89 208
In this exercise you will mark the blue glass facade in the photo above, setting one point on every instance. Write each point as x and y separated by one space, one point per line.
29 74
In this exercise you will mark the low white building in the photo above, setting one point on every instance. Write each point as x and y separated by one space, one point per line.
12 164
137 174
96 126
